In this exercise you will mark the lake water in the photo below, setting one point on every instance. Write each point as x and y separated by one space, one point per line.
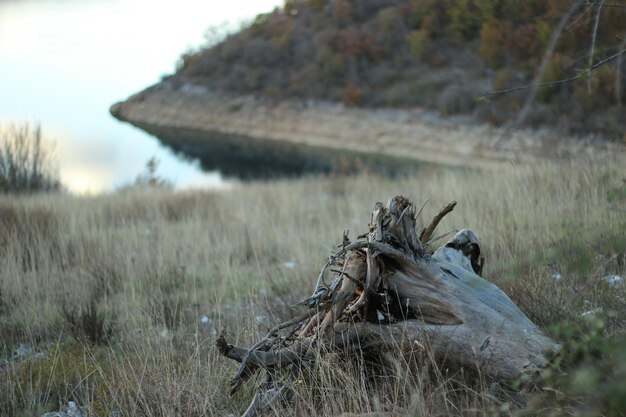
64 62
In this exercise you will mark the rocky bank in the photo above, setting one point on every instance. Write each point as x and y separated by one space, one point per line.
412 134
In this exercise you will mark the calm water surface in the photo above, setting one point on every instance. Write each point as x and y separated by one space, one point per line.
64 62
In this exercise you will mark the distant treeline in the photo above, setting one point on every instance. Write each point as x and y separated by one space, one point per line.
439 54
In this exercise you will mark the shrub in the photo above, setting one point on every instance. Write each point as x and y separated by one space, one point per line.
503 79
588 374
341 11
417 41
556 70
149 179
495 42
351 95
455 99
26 165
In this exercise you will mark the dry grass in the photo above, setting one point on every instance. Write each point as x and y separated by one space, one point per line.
151 265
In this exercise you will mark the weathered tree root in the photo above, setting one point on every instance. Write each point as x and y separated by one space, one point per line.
388 290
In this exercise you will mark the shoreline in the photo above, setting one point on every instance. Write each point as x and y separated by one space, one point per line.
407 134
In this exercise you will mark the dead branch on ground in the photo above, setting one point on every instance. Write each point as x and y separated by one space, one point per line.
386 291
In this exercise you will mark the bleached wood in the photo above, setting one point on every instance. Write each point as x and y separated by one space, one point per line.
435 301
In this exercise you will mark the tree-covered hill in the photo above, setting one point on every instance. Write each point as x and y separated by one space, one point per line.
439 54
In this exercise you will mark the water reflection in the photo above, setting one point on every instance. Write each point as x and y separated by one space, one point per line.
63 63
92 166
246 158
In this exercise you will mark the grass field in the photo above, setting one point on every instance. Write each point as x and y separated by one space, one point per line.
115 301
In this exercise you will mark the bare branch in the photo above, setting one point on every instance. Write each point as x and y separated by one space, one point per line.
428 233
556 34
593 44
549 83
618 75
617 6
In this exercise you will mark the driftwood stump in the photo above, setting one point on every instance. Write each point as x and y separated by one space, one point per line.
387 289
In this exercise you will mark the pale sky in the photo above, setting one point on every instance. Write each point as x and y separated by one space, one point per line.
63 63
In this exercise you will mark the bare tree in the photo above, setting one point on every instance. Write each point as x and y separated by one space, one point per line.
538 82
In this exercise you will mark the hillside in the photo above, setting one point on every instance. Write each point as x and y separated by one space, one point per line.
436 54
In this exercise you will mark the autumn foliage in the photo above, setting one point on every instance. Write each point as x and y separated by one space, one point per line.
406 53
